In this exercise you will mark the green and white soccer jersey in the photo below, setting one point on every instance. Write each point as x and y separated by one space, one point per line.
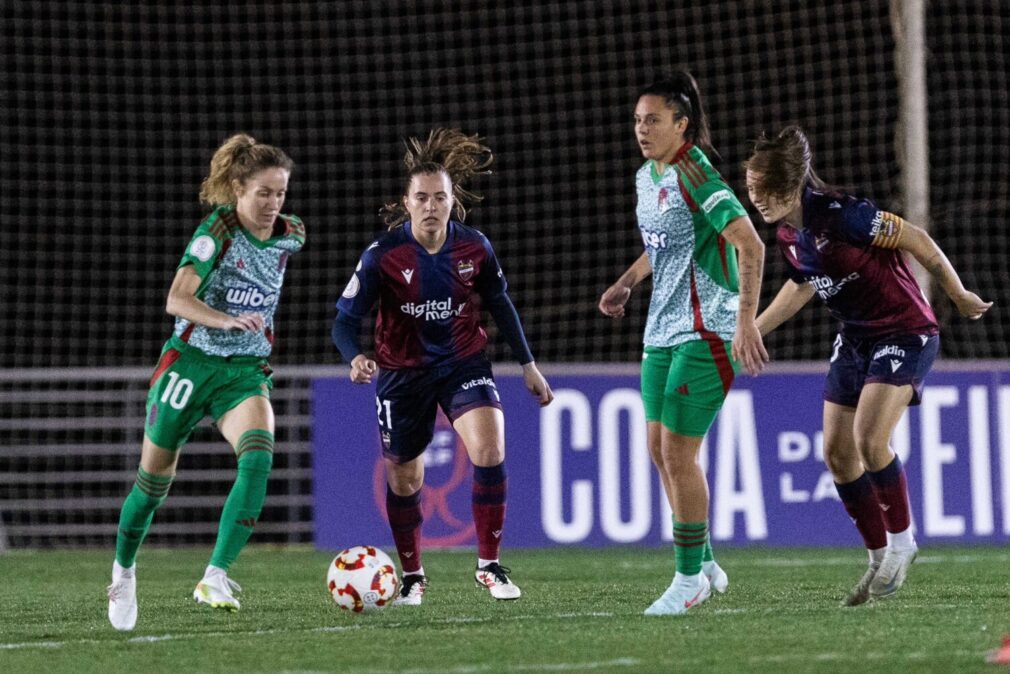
695 285
240 274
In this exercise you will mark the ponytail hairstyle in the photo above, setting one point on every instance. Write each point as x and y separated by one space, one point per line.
680 91
448 151
239 158
782 165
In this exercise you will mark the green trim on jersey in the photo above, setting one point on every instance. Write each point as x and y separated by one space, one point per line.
713 206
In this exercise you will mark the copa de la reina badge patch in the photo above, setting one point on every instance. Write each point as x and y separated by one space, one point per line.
203 248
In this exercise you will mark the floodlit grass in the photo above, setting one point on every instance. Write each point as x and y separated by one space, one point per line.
581 610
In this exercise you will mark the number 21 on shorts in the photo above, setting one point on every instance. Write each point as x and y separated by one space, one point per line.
383 409
178 391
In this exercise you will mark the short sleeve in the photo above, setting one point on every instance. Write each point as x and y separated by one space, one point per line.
362 290
717 203
203 249
490 280
864 225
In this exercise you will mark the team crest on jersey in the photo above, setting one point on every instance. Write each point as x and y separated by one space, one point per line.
465 269
664 200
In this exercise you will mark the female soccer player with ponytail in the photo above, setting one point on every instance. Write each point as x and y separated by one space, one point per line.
849 252
430 275
700 327
224 297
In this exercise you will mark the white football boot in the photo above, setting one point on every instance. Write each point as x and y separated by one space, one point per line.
412 588
860 594
685 592
494 578
217 591
717 578
123 597
893 569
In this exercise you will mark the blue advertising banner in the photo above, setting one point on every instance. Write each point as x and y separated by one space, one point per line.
579 471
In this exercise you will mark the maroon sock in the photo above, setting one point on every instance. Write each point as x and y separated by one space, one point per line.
891 489
861 504
405 520
489 487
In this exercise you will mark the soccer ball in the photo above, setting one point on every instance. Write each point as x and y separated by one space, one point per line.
362 578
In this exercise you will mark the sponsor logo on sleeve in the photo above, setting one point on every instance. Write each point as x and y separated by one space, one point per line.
203 248
353 286
714 200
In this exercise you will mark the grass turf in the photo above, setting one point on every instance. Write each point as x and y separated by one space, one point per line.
581 610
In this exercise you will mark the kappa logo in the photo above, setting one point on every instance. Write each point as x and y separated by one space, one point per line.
895 364
407 275
465 269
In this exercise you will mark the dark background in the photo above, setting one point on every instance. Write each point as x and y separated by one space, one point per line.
109 114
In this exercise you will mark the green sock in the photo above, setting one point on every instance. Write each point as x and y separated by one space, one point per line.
708 555
689 543
149 492
245 502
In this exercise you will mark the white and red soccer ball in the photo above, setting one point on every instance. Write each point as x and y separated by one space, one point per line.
362 578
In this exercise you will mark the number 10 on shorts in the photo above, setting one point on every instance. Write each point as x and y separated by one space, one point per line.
383 409
178 391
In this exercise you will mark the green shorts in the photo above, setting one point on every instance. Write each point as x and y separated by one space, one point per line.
188 385
684 386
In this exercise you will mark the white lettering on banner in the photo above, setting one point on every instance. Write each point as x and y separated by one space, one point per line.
793 446
825 488
936 453
551 485
789 494
638 473
1004 452
738 449
981 468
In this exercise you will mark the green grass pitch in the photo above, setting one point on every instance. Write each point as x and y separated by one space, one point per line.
581 610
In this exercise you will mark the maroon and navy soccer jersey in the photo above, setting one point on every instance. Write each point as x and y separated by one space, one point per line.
429 304
847 252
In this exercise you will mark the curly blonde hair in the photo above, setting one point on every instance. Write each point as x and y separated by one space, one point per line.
239 158
449 151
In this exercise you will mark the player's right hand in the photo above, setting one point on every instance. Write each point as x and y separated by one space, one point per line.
362 369
245 323
613 300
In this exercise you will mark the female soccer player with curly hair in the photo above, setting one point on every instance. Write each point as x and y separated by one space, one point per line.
431 275
223 297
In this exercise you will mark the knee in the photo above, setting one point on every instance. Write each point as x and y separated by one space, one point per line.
843 462
871 446
403 480
678 460
488 456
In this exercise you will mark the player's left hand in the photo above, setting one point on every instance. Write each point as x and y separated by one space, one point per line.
748 348
971 305
536 384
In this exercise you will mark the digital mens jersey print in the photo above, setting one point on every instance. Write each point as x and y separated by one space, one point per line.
240 274
695 284
429 304
847 252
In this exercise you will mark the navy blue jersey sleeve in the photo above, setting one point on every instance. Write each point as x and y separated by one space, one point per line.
346 332
857 222
507 319
490 282
362 291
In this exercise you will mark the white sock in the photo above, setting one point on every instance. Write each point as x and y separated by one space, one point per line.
214 571
877 556
481 563
902 540
118 571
